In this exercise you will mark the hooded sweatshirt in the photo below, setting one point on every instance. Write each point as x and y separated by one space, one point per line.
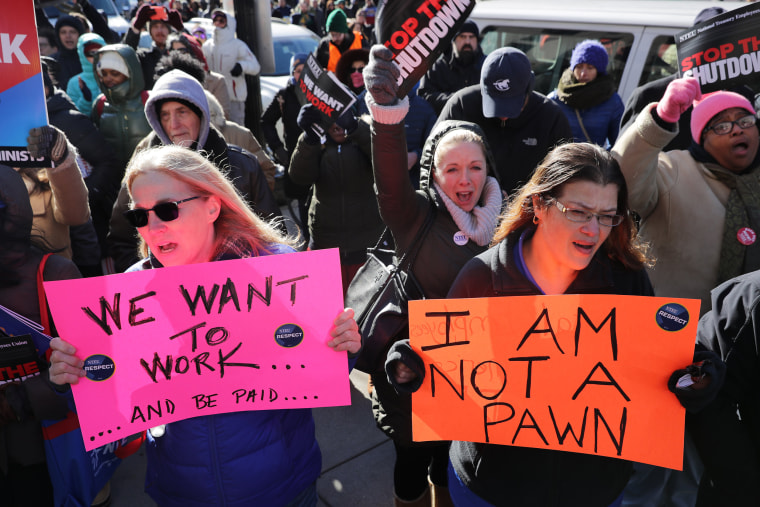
78 96
223 51
119 114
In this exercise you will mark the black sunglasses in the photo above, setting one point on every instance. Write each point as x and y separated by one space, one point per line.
166 211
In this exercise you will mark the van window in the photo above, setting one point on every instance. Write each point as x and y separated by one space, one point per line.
549 50
661 60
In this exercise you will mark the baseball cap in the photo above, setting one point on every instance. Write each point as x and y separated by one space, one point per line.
505 80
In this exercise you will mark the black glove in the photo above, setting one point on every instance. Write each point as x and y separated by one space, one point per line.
236 70
142 16
175 20
86 93
281 154
402 351
707 366
309 116
381 76
348 122
48 142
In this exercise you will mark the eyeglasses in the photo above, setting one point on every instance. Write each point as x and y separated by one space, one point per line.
725 127
91 54
357 69
165 211
582 216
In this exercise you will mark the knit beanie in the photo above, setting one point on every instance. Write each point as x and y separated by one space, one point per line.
712 104
336 22
591 52
296 60
68 21
112 60
468 27
195 109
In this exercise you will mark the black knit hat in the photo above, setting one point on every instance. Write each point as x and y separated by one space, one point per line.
193 107
68 21
468 27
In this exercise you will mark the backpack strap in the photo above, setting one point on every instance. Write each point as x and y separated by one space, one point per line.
44 312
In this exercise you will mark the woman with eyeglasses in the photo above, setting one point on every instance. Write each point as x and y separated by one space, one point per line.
186 211
699 208
700 212
567 231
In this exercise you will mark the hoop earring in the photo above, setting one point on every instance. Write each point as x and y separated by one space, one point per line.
535 219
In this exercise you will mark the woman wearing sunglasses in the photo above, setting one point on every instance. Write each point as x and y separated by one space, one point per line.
349 71
187 212
567 231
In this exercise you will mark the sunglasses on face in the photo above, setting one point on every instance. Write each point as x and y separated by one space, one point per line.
357 69
165 211
91 54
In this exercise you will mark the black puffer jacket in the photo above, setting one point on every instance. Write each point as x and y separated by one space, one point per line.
343 210
447 76
509 475
727 432
20 432
105 176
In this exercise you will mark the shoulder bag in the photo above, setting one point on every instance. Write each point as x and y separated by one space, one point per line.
379 294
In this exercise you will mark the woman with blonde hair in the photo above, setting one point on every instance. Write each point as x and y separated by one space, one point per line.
187 212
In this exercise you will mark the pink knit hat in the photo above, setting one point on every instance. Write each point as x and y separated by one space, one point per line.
712 104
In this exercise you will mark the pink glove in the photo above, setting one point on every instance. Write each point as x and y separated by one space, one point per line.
679 96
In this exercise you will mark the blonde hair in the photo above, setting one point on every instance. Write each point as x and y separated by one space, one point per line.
238 229
454 137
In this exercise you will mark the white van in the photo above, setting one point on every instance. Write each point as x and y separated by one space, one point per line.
638 34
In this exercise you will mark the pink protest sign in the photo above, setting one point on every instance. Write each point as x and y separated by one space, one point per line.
167 344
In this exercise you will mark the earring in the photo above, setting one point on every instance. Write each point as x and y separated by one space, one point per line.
535 219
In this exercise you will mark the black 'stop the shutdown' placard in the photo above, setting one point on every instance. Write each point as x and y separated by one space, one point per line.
417 32
722 52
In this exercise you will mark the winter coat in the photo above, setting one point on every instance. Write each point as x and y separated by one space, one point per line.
68 59
285 107
602 121
343 211
20 433
447 76
148 57
223 51
328 54
727 432
96 158
61 205
682 206
238 459
240 136
518 144
122 118
510 475
217 85
241 166
87 75
440 258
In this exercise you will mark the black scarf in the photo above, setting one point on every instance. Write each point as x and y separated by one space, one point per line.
742 211
584 95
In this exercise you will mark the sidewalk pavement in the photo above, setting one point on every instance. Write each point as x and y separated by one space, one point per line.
357 459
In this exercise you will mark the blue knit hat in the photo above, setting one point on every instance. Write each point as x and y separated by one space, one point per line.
296 60
591 52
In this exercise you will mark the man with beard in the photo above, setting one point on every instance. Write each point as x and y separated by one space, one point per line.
454 70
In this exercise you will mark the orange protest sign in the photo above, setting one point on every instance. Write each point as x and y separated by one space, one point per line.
578 373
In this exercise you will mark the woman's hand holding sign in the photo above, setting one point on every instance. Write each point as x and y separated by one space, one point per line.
65 367
345 333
